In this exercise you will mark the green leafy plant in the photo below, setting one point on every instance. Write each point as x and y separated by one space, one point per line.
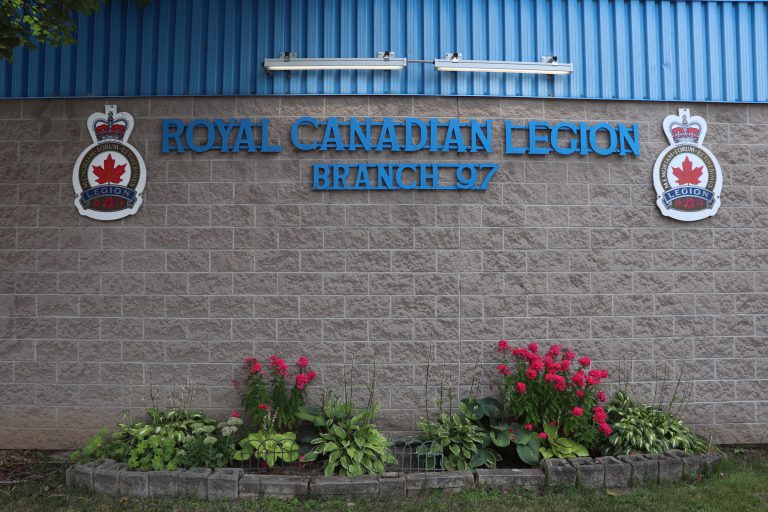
349 442
269 447
455 442
166 441
488 412
648 429
274 393
560 447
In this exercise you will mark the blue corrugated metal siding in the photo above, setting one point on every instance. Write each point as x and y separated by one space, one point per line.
627 49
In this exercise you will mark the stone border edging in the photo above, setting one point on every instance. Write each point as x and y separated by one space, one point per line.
623 472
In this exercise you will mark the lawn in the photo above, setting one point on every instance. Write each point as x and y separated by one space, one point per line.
740 484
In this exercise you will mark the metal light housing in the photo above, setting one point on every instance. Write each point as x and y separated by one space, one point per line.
547 66
289 62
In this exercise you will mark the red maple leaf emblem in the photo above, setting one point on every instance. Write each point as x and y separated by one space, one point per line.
110 173
688 175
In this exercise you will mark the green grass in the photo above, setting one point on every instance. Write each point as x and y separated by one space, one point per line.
737 485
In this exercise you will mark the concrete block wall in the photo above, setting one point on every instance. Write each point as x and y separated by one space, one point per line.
234 255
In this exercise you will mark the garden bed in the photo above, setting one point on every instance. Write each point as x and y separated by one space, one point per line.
111 478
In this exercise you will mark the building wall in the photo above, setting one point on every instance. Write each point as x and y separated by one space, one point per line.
234 255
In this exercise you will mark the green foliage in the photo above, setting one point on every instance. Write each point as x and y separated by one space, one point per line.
457 442
268 446
33 22
167 441
489 414
349 442
647 429
272 396
561 447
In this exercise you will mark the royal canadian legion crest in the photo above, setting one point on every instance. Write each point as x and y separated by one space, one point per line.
109 175
687 177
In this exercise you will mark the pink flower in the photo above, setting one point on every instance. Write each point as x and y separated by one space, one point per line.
531 373
503 369
542 435
585 361
554 350
578 378
255 367
520 387
528 426
311 375
564 365
262 406
605 429
579 393
302 362
503 345
537 364
235 414
301 380
533 347
279 365
592 381
559 384
577 411
249 360
599 415
568 354
600 396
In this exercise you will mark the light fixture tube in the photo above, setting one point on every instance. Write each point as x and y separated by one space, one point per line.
500 66
288 62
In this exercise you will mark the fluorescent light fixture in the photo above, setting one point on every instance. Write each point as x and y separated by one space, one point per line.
289 62
547 66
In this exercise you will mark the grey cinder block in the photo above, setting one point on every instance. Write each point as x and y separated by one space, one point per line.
644 471
249 486
392 484
618 474
447 481
223 483
532 478
193 483
343 486
284 486
106 478
134 483
559 472
589 473
164 483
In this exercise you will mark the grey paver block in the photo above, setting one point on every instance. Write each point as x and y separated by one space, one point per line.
106 478
392 484
193 483
589 474
343 486
559 472
81 477
644 471
164 483
249 486
618 474
532 478
223 483
709 461
284 486
670 468
134 483
447 481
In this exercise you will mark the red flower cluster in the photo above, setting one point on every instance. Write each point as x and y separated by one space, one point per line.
540 387
278 365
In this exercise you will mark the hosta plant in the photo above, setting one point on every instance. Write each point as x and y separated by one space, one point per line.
489 414
560 447
349 443
166 441
648 429
268 447
454 442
